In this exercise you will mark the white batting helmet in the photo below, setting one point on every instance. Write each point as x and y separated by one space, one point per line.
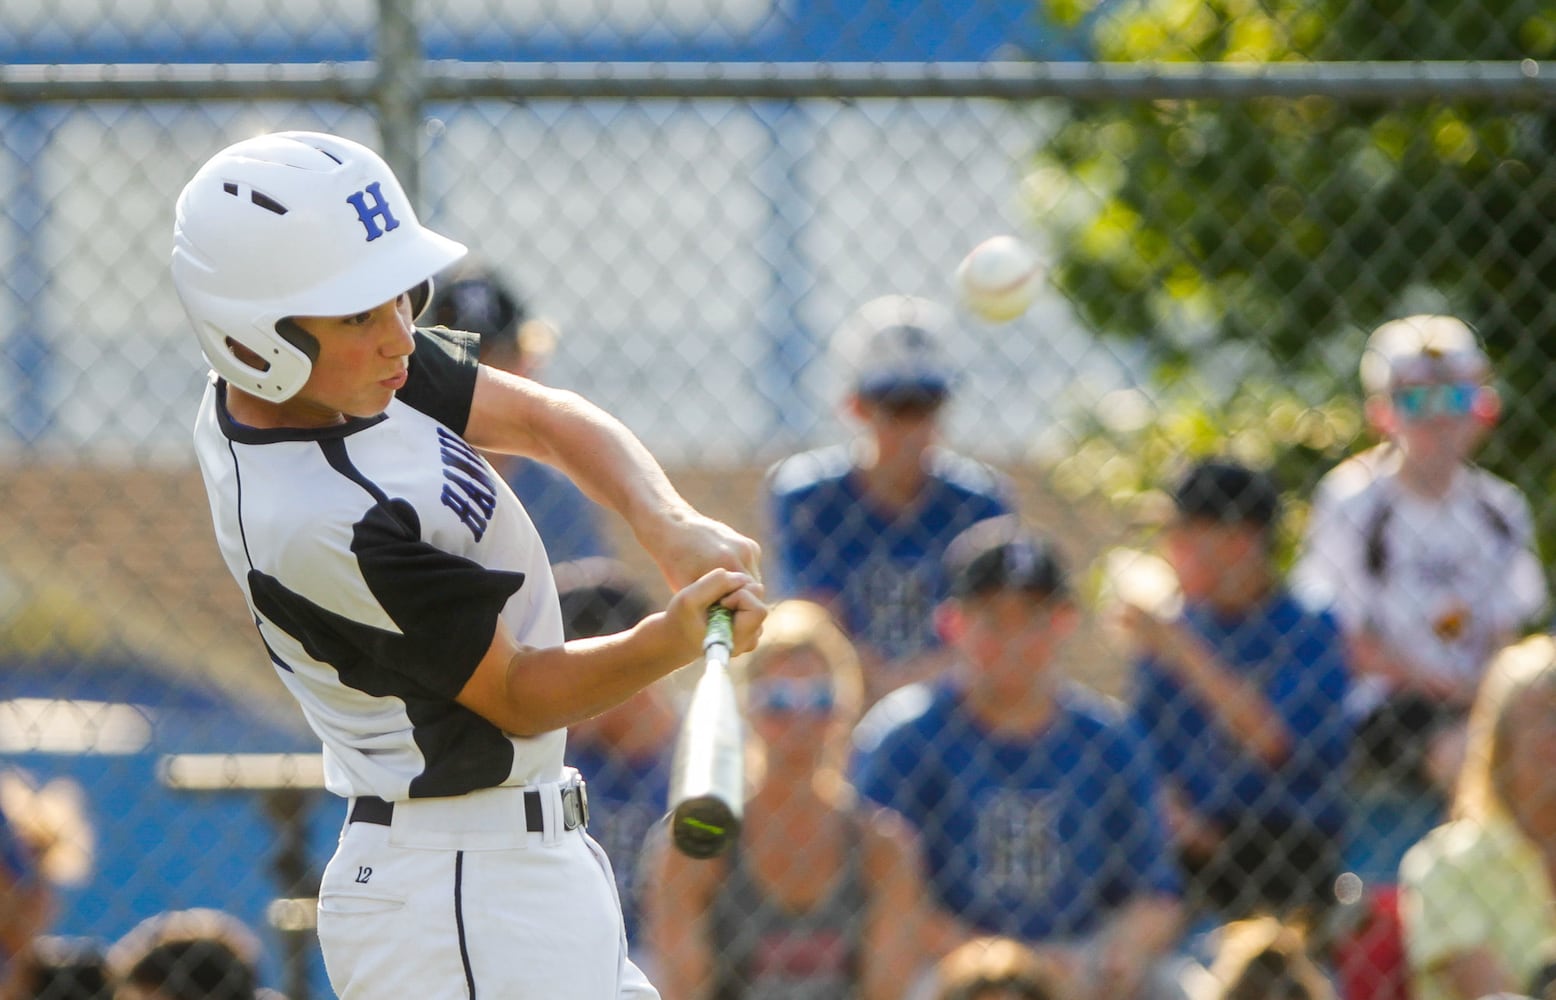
294 224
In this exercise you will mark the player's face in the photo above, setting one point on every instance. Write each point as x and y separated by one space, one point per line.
1528 780
1224 564
1010 637
903 423
1436 423
362 360
793 707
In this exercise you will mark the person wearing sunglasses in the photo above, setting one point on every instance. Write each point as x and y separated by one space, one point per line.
861 527
821 897
1428 560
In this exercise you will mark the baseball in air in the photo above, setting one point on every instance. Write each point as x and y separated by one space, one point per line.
999 278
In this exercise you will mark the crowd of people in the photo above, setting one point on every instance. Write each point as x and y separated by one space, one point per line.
940 807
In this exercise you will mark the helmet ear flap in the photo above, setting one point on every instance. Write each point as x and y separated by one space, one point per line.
294 334
420 296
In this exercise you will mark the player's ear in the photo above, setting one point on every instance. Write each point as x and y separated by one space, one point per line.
855 408
1487 407
950 623
1380 414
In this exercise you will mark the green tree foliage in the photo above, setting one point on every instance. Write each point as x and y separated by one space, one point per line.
1266 237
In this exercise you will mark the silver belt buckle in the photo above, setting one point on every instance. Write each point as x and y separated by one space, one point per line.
575 806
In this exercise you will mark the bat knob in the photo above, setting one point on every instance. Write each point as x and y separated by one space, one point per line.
703 827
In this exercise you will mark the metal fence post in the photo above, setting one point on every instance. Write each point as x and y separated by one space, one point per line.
399 90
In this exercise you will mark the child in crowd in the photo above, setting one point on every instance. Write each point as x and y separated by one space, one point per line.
1429 561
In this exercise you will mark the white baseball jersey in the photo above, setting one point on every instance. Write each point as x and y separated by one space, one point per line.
1441 580
377 558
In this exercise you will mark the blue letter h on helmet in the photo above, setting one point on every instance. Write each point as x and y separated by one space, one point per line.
371 215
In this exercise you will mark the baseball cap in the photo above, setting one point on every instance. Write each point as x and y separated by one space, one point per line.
1227 492
998 554
474 299
1423 348
896 345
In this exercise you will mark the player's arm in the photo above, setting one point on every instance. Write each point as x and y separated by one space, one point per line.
677 914
514 415
895 920
525 691
1238 706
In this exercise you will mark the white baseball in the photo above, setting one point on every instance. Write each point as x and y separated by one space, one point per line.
999 278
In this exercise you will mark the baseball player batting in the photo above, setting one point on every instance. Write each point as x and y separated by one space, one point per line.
400 589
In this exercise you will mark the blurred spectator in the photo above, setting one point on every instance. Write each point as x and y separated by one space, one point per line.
1038 806
1476 900
61 968
624 752
820 896
26 901
861 528
992 968
1264 958
476 300
1240 697
196 954
1429 561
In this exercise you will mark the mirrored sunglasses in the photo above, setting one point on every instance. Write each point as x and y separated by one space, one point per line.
789 695
1448 399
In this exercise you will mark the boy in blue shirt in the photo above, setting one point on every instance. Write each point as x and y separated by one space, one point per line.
1240 699
861 528
1037 804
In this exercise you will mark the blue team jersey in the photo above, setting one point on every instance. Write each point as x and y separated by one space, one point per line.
1296 658
1040 839
568 521
882 573
626 798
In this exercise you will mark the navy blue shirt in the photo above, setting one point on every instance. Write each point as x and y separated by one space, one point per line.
1040 839
567 520
882 573
1296 659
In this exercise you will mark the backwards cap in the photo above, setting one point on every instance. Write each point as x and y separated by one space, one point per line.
1423 348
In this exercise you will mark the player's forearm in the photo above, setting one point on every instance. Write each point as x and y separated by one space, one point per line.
1241 709
546 689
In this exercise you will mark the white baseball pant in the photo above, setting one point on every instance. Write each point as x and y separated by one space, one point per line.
456 898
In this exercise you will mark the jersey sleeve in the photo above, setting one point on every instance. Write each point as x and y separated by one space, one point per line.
441 381
795 533
900 773
440 610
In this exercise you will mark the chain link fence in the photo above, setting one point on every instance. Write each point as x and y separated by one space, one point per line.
693 196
